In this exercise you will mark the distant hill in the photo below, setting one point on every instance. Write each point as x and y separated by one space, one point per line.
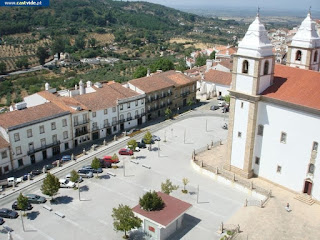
74 15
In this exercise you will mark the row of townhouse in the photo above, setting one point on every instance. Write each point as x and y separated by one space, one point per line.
50 122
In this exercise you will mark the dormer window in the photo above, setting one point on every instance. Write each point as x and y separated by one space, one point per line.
298 55
315 57
245 66
266 68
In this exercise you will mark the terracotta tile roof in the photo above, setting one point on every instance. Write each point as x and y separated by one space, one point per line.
294 85
3 143
228 63
30 115
218 77
105 97
229 51
160 81
173 208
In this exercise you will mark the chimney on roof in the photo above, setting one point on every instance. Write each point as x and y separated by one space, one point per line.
47 86
81 88
89 84
209 63
148 72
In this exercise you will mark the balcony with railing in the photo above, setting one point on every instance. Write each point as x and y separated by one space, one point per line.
106 125
80 132
44 147
122 120
86 121
114 123
129 118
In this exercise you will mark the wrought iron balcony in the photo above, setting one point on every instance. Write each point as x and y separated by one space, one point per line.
32 151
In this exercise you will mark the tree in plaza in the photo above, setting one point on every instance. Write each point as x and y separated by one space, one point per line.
42 53
115 158
148 139
140 72
95 164
227 99
185 181
22 202
124 219
74 176
3 67
167 187
213 55
150 201
168 113
50 185
132 144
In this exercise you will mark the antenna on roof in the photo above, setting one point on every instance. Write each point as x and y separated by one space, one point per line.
258 12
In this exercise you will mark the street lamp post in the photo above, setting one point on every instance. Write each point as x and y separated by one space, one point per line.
158 148
22 221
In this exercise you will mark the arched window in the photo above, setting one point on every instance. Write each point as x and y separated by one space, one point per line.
315 57
266 68
298 55
311 168
245 66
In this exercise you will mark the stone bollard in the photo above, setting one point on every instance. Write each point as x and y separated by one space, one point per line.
221 227
208 147
270 193
212 144
125 133
246 203
261 203
58 163
84 151
44 170
251 185
217 170
115 138
234 178
29 176
238 228
104 142
220 142
72 157
201 165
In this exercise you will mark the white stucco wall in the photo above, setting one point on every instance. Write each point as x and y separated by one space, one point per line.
244 83
240 125
224 89
295 63
302 130
5 162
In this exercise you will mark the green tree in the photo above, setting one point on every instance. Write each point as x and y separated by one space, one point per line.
58 45
227 99
150 201
185 181
80 42
148 139
140 72
96 164
181 65
167 187
74 176
163 64
22 202
201 60
92 42
132 144
124 219
168 113
190 102
3 67
22 62
213 55
115 158
42 54
50 185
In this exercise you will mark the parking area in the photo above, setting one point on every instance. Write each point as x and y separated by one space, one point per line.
91 218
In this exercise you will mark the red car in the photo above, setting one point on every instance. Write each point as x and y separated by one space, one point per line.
124 151
109 159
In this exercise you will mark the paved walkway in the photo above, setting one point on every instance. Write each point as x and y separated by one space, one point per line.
272 221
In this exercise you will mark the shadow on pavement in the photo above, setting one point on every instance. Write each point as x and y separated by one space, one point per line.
140 157
84 188
33 215
138 235
104 177
188 223
62 200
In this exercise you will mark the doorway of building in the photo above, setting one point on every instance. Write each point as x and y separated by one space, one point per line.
109 131
33 159
95 135
307 187
121 127
56 150
184 102
139 121
44 154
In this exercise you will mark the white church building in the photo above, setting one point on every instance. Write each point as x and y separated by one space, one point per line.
274 123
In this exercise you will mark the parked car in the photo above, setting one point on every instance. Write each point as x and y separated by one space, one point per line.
141 145
8 213
65 183
214 107
124 151
220 98
152 141
68 176
15 206
1 221
34 198
105 164
85 173
109 159
26 176
36 172
155 138
221 103
137 149
49 166
55 163
225 108
88 167
66 158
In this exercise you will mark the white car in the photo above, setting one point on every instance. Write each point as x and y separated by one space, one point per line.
65 183
68 176
221 103
136 150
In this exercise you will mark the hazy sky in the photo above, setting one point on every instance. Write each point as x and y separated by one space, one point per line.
252 4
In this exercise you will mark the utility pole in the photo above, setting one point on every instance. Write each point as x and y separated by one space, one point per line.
79 189
22 221
165 135
198 194
124 167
